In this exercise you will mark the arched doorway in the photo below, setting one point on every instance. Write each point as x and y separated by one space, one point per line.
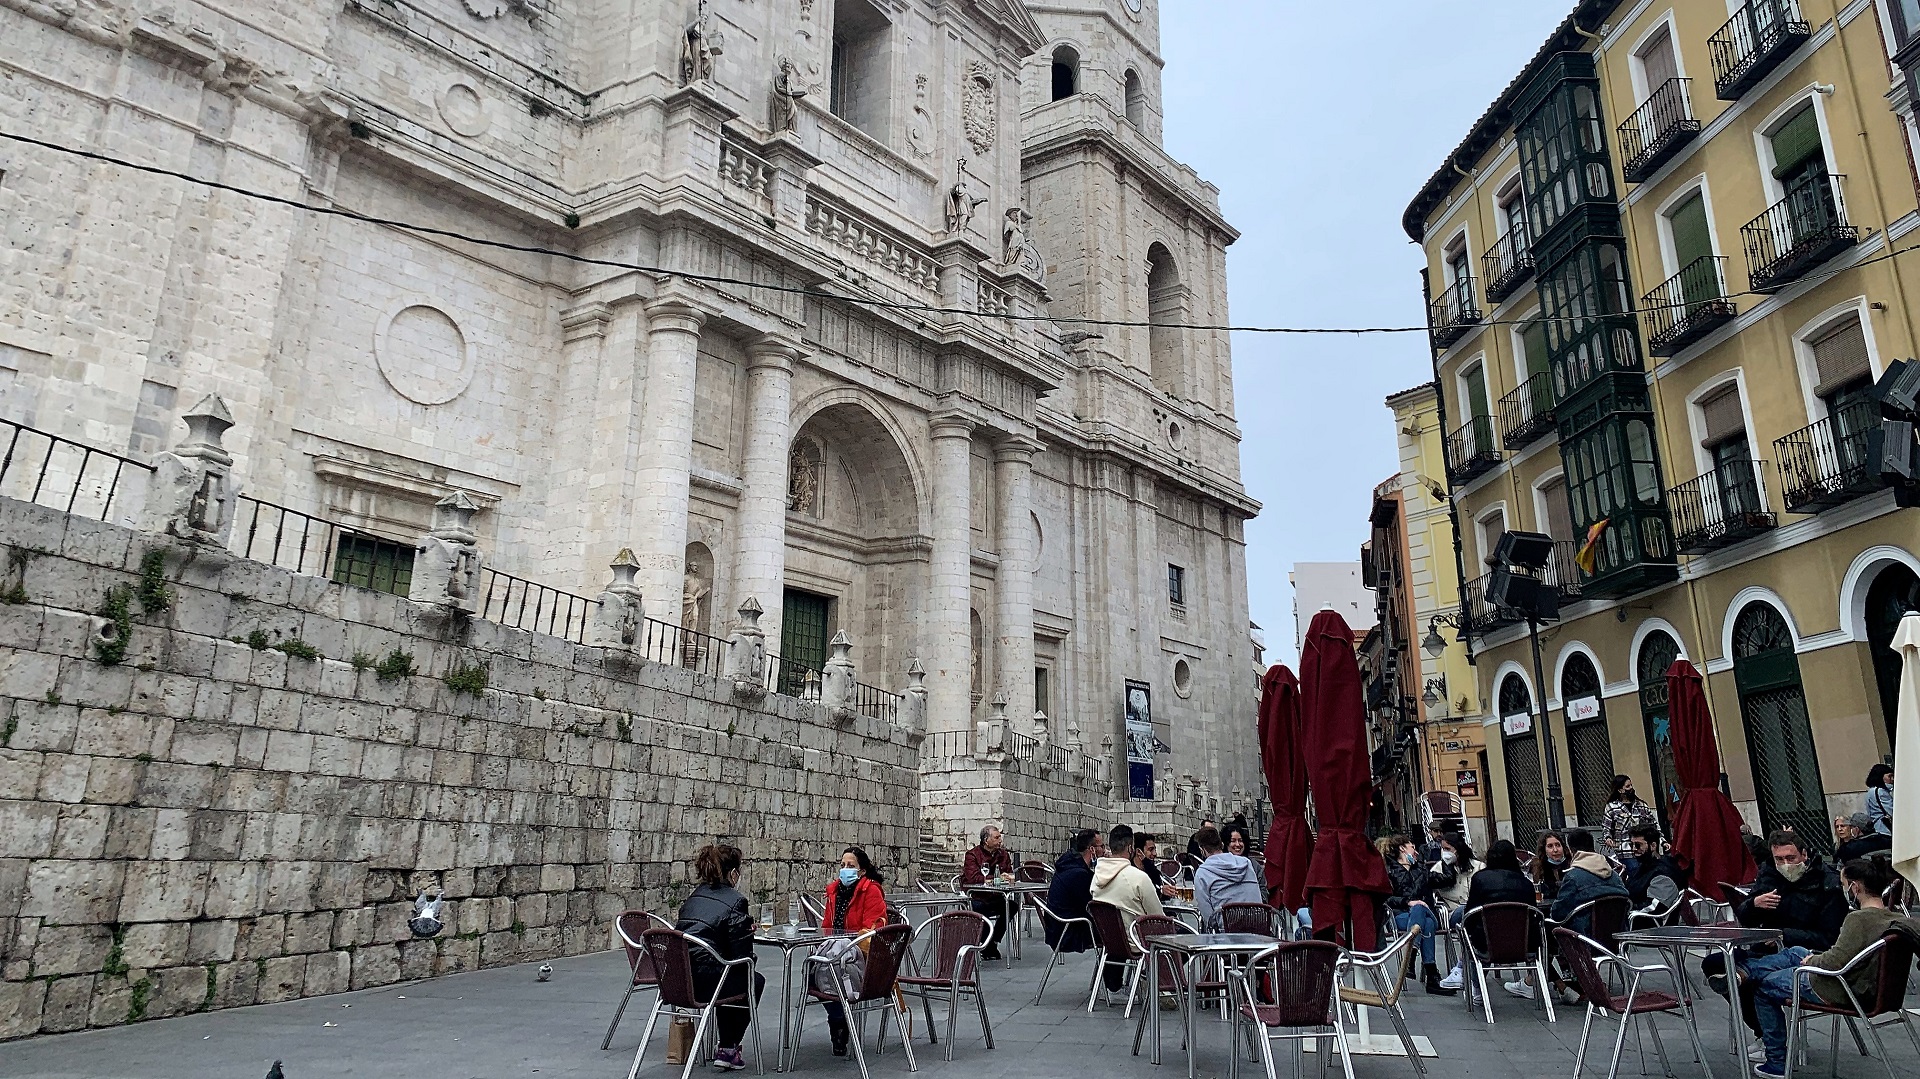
1589 749
1773 705
1658 653
1066 72
1166 309
1526 796
1894 592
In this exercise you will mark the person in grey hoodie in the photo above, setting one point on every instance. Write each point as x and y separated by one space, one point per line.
1221 879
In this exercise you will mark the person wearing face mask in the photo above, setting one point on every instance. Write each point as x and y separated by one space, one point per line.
1798 894
1880 798
1768 981
717 913
1412 904
1549 867
855 904
1452 882
1625 812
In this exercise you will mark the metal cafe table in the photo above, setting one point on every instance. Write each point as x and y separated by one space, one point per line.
1011 895
1674 941
1190 948
790 939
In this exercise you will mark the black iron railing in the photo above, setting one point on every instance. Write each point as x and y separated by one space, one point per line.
266 532
948 744
1483 616
677 646
1453 312
48 470
1526 414
1471 450
1754 42
523 604
1801 231
1508 263
876 703
1720 507
1687 306
1657 130
1562 573
1825 464
1022 747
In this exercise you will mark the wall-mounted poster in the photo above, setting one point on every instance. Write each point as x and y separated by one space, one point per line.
1468 780
1140 741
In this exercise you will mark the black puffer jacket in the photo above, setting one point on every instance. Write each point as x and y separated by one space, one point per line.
1810 911
1411 882
719 916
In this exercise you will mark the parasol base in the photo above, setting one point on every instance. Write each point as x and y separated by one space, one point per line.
1381 1045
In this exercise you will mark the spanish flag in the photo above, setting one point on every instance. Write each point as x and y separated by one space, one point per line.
1589 555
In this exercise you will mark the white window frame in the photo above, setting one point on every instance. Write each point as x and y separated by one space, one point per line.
1697 424
1669 252
1462 376
1509 184
1803 350
1460 241
1764 131
1637 67
1538 491
1480 520
1517 334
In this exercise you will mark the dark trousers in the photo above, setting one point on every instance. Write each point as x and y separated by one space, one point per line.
995 911
732 1020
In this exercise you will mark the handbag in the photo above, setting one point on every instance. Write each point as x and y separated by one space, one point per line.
840 957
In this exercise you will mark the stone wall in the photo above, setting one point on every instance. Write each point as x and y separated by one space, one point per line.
216 821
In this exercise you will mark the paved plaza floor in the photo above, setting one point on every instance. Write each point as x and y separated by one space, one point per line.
506 1023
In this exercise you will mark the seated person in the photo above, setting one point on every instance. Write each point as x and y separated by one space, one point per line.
1549 866
1149 849
1071 887
1797 894
1653 878
1119 882
1857 838
988 863
855 904
1223 878
1589 876
1770 979
1500 880
717 913
1412 902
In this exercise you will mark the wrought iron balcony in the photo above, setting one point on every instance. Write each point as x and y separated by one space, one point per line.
1721 507
1508 263
1657 130
1483 617
1688 306
1562 572
1526 414
1453 313
1753 43
1824 464
1799 232
1471 450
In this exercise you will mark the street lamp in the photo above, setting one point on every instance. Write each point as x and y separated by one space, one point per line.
1433 644
1517 584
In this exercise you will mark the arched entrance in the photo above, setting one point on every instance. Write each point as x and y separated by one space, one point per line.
1589 749
1773 705
1894 592
1658 653
1526 796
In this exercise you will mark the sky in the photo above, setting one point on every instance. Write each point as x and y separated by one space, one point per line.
1319 122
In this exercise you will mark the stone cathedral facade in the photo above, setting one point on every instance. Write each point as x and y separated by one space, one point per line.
778 295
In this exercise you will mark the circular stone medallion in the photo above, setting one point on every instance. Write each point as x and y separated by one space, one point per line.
464 110
423 355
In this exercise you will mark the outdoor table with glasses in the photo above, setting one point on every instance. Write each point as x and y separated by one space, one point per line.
789 939
1189 949
1673 942
1011 895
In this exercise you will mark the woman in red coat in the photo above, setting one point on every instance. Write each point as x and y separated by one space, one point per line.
855 904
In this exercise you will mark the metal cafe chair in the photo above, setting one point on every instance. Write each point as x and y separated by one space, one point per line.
1292 986
1587 959
630 925
1173 974
886 951
1388 969
1083 926
1895 951
813 910
1607 917
1113 948
1256 918
1511 936
672 955
957 939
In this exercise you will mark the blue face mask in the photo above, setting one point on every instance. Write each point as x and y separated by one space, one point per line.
848 877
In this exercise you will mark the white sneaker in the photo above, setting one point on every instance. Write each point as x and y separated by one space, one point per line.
1518 989
1453 980
1569 996
1757 1054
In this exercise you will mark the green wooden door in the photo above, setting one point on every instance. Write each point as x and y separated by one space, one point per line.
803 638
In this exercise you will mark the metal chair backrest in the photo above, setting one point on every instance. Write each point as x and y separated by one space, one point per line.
1397 961
1606 918
1298 983
815 909
1438 805
631 925
1109 929
886 952
1510 933
672 955
952 932
1032 873
1256 918
1896 964
1147 926
1170 869
1578 952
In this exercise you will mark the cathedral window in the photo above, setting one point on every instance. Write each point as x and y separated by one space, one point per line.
860 88
1066 72
1166 311
1136 100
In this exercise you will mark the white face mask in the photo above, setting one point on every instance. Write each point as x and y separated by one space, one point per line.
1447 857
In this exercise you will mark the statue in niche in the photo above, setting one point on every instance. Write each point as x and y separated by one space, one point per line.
920 127
694 599
1018 249
698 46
961 203
784 109
803 478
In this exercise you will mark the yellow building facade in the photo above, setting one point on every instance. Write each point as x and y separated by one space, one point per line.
1665 271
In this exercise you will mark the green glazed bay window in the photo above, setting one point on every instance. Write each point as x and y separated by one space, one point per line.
1590 328
1564 162
1613 475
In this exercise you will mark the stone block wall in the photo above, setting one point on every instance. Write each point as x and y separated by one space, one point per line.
1037 811
216 820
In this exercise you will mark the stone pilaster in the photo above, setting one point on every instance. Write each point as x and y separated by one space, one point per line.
1013 611
662 476
950 591
760 548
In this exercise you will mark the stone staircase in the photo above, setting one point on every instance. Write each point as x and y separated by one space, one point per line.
939 861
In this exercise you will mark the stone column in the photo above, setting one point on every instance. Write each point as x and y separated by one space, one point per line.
760 547
950 578
666 460
1013 591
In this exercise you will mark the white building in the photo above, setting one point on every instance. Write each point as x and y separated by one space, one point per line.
1330 586
756 302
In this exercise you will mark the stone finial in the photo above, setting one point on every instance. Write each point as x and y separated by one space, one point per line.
913 710
838 680
447 563
993 729
999 706
810 690
747 653
616 618
192 493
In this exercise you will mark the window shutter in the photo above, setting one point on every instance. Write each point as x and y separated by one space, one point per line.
1796 143
1533 338
1691 240
1657 60
1559 513
1840 357
1722 416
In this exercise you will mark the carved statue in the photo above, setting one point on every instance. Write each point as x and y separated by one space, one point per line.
1018 249
784 108
803 478
699 45
920 128
961 203
693 601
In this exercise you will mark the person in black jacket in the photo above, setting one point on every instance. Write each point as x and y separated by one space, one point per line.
1412 903
1071 888
1798 895
1653 878
717 913
1857 838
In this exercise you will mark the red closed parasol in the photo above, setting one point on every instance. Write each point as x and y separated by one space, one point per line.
1706 828
1345 878
1289 842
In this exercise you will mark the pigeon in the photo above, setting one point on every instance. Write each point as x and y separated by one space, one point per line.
275 1072
546 971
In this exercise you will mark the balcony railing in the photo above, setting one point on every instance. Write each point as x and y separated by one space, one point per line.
1483 617
1657 130
1453 313
1688 306
1508 263
1721 507
1799 232
1824 464
1471 450
1526 414
1562 572
44 468
523 604
1753 43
